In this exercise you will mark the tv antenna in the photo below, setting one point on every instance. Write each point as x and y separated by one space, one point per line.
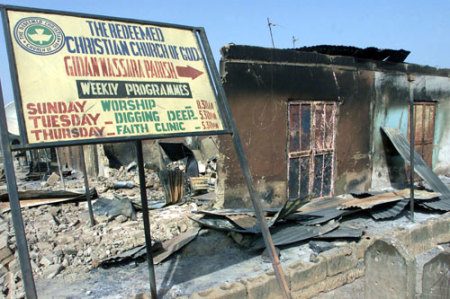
270 24
293 41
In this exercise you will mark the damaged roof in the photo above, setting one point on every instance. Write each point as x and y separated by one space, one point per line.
401 144
366 53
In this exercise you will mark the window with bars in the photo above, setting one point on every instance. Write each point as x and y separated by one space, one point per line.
311 148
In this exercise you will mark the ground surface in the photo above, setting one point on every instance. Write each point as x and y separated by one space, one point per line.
64 249
211 260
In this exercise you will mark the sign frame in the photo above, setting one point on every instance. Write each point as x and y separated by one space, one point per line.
226 118
207 59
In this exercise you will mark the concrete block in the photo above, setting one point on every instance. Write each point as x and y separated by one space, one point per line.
4 239
263 286
330 283
233 290
390 270
5 253
341 279
53 179
303 274
440 229
421 239
3 270
7 260
426 235
142 296
359 248
339 259
436 277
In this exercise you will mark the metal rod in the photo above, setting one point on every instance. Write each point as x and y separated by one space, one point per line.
48 159
16 213
270 30
148 238
260 215
60 168
247 175
411 146
293 41
27 158
112 140
86 185
39 158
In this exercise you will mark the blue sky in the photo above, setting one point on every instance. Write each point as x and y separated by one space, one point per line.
421 27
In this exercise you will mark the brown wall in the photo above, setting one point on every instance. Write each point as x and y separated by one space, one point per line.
258 93
353 132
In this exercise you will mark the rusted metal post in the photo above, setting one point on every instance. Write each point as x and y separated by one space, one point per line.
270 24
144 202
260 215
411 145
60 169
48 159
16 213
86 185
246 172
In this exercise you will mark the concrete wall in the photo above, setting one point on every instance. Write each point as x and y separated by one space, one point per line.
397 263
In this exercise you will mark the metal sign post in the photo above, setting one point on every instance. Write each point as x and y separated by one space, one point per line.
411 145
86 185
16 214
145 216
60 169
247 175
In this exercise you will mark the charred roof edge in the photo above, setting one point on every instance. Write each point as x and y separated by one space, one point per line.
252 53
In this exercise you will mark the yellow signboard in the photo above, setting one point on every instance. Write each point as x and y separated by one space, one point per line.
85 78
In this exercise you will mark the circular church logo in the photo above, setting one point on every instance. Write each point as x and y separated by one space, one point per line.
39 36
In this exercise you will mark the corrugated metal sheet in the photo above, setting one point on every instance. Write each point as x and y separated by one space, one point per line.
225 212
175 244
316 217
244 221
367 193
319 204
34 198
343 232
371 201
222 223
389 210
292 233
45 194
288 208
240 220
421 168
441 205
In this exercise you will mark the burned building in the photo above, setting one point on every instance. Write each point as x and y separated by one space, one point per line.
310 120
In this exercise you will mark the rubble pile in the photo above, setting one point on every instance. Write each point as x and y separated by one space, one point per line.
62 242
64 245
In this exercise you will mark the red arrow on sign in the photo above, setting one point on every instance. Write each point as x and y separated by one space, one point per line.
187 71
